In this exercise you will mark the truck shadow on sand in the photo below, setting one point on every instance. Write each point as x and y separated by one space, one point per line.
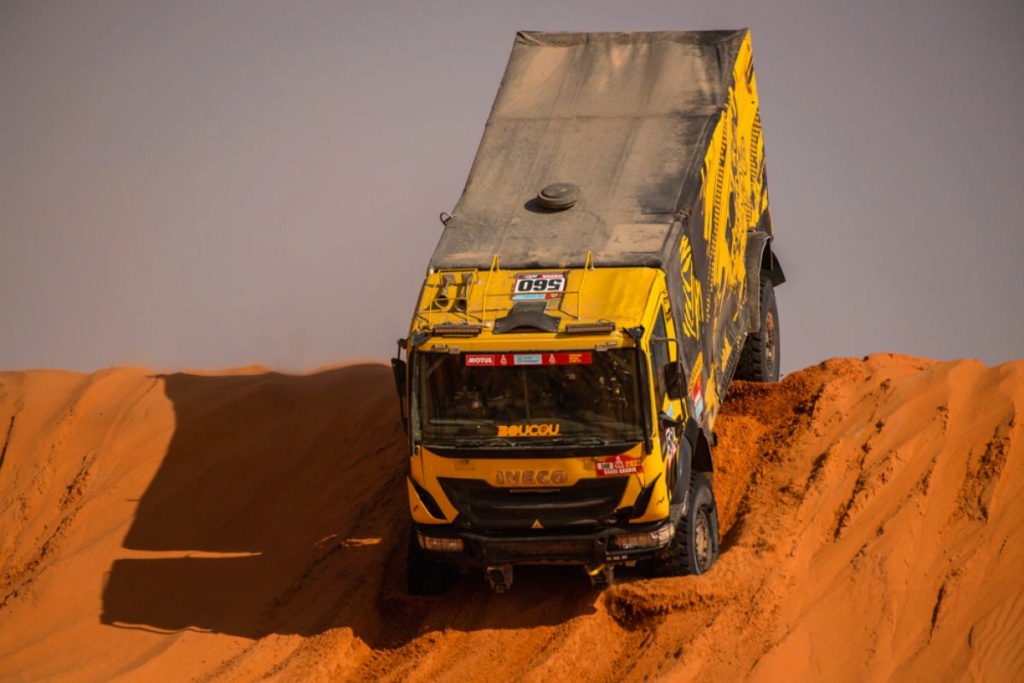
280 507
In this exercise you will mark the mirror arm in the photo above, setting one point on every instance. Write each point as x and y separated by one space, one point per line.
400 369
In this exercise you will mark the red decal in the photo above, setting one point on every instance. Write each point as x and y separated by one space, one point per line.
572 358
617 466
477 359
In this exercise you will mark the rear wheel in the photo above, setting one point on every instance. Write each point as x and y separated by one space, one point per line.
759 361
425 575
694 547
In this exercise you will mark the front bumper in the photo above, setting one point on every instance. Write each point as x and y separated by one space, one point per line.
610 545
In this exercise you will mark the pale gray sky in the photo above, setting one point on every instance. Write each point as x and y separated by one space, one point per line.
213 184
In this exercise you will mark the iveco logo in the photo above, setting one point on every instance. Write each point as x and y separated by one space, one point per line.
532 477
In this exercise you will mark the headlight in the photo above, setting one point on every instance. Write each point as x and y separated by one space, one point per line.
647 539
441 545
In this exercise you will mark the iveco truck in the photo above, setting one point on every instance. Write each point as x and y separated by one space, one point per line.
608 269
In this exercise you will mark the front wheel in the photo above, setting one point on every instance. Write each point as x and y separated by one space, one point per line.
694 547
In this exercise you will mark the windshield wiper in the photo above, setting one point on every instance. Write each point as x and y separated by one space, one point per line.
589 439
492 442
572 441
459 422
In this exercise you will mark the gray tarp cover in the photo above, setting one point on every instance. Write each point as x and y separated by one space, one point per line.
624 116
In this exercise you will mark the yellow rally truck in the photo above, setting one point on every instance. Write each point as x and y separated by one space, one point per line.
605 274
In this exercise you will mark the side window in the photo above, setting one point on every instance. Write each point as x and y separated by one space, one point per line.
659 355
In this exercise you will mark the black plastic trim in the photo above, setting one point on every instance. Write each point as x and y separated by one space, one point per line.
566 451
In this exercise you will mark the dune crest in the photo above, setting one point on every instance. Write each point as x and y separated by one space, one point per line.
248 524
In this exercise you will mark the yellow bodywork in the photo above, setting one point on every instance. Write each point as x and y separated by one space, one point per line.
619 295
491 469
734 200
627 297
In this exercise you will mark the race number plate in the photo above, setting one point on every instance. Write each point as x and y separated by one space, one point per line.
538 286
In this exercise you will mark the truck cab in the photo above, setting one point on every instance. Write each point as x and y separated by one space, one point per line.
549 430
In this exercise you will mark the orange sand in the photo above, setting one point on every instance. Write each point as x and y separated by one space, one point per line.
250 525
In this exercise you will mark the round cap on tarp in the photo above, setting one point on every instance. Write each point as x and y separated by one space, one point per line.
559 196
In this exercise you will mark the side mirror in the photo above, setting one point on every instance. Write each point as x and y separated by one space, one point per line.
674 380
400 370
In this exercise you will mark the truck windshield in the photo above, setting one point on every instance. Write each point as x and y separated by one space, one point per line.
524 398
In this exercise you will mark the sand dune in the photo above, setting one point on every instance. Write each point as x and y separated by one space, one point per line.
249 525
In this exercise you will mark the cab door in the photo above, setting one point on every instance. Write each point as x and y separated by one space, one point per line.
669 399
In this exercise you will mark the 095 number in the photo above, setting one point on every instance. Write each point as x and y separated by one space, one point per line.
540 285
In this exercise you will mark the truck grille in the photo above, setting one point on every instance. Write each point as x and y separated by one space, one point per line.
540 550
584 504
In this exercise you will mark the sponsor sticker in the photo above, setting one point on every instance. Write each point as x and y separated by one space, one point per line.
697 387
618 466
529 430
493 360
697 395
670 446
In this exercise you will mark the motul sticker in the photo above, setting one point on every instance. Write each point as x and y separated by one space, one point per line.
618 466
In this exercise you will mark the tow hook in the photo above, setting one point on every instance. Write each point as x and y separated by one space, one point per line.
500 577
601 576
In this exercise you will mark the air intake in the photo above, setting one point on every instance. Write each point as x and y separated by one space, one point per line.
559 196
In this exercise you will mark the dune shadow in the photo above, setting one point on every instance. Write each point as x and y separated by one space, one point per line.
269 480
280 507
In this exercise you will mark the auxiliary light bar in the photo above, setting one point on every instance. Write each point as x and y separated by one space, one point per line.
457 330
590 328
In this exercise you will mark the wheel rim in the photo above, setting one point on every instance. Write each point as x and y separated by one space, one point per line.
770 345
702 541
